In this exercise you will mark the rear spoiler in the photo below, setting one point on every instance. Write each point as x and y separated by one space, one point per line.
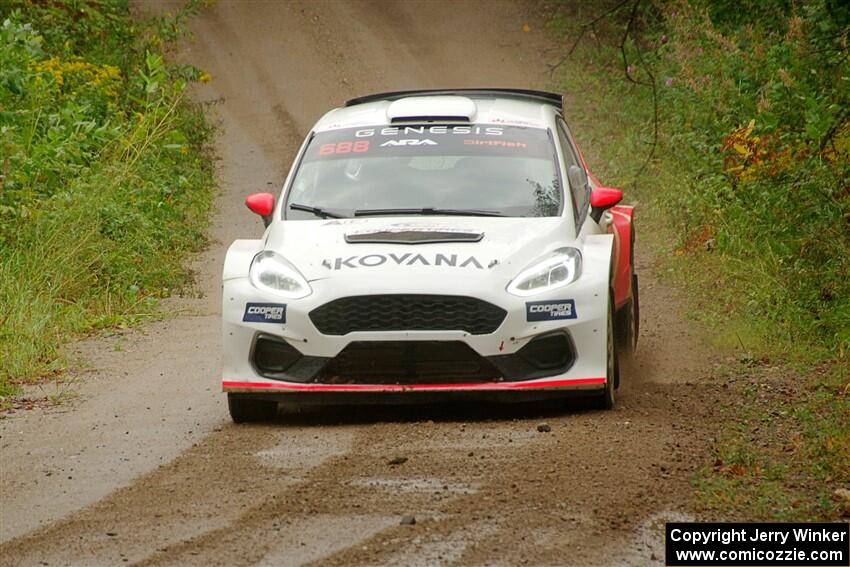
521 94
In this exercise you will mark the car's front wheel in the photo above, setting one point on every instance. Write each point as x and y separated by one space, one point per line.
605 400
245 409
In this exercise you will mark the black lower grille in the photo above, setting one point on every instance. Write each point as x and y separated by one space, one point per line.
273 357
407 362
407 313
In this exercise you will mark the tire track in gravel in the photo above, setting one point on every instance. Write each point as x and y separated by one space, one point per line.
474 479
317 486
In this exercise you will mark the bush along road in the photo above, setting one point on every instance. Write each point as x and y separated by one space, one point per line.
143 466
730 124
105 176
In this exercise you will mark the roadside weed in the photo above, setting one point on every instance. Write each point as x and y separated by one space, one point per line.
105 171
746 203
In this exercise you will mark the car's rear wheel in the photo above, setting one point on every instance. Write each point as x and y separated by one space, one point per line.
605 400
635 311
244 409
628 316
627 320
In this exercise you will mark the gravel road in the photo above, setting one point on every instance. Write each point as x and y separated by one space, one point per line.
142 465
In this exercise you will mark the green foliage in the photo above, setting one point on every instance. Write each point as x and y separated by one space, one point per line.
770 141
105 177
754 147
747 202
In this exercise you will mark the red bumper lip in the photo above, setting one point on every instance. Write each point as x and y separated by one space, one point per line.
546 384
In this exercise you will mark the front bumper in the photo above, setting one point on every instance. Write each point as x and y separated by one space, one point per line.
504 349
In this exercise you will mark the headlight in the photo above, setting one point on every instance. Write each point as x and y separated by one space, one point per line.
271 272
554 270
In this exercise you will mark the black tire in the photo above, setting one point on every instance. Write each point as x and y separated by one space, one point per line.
626 325
605 400
245 409
636 309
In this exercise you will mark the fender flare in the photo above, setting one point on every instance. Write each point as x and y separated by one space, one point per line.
622 227
237 261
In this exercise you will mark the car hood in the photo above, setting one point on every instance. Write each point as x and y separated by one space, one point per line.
411 248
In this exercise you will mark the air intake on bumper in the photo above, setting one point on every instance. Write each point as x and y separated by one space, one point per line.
406 312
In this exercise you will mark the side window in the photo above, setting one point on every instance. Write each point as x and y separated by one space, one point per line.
579 195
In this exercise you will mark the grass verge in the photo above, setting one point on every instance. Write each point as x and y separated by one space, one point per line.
730 128
105 175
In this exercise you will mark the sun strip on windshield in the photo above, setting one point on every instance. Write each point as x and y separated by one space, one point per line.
430 140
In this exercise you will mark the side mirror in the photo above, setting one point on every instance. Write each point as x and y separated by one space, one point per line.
602 199
261 204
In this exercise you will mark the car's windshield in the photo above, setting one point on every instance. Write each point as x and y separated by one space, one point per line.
483 170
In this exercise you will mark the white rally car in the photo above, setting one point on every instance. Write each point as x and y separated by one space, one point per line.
432 244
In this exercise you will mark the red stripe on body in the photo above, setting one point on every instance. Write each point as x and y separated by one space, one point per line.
556 383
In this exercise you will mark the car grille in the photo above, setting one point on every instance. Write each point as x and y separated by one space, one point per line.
408 362
407 313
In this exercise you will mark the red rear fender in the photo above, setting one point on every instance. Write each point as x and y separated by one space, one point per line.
623 231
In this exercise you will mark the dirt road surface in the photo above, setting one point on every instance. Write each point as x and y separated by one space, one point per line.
143 466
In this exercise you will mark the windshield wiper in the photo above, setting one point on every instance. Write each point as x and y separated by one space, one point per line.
318 211
427 211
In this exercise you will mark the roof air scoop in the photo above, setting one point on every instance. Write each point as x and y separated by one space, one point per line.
446 108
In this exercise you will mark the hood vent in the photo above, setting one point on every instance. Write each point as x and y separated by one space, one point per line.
412 237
